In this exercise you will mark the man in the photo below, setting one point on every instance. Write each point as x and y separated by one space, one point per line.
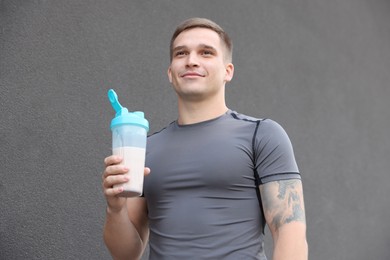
217 176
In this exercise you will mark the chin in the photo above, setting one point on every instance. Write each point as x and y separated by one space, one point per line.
192 95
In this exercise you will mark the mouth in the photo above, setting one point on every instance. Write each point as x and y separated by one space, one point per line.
191 74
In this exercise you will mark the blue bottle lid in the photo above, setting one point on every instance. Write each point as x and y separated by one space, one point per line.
123 116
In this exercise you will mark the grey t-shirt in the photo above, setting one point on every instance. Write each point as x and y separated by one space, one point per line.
202 194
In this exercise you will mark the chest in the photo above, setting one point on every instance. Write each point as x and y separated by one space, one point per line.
206 161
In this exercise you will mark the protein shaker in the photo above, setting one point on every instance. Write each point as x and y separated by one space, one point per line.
129 134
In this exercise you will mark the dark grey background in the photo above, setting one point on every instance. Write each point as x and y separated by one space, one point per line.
319 68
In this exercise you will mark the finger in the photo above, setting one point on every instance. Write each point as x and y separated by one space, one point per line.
115 170
146 171
113 180
112 159
111 192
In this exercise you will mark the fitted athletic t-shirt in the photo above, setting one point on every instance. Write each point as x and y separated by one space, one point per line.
203 190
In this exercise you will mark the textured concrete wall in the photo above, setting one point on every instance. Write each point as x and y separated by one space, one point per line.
320 68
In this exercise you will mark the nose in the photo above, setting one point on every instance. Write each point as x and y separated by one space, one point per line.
192 60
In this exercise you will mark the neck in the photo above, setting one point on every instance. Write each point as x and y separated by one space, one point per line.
199 111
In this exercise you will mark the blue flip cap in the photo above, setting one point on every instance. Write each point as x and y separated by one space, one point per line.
123 116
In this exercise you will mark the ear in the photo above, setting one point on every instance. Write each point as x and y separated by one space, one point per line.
169 72
229 68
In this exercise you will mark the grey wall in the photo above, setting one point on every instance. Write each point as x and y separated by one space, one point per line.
320 68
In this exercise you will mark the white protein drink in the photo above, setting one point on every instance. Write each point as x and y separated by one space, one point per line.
134 159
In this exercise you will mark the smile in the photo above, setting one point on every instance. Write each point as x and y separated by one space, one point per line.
190 74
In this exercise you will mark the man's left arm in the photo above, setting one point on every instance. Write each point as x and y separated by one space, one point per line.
284 212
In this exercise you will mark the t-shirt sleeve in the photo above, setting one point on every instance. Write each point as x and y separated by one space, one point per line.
274 155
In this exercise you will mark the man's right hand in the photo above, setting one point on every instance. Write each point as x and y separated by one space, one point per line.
114 174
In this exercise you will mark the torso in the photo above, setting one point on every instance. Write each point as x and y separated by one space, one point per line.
201 194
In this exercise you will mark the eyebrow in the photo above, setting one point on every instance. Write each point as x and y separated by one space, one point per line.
201 46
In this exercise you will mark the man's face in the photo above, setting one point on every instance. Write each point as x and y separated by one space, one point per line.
198 69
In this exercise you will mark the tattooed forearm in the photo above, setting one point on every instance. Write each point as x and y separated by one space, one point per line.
283 202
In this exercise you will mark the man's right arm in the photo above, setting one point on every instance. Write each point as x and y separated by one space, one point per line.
126 228
126 232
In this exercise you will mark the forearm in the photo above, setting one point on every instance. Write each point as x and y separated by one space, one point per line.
121 236
290 242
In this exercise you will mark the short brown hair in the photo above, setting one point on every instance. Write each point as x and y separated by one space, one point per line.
208 24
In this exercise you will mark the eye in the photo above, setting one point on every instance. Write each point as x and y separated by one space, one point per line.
207 52
180 53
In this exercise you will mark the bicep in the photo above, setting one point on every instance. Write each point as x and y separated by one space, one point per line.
282 203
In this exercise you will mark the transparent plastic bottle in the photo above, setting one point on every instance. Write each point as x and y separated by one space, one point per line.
129 135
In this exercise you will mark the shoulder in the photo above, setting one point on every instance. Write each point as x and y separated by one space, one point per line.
162 131
272 137
266 126
269 127
243 117
159 137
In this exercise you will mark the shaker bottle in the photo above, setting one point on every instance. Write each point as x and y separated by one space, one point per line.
129 131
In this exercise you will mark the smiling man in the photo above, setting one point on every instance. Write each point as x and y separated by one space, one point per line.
217 176
199 70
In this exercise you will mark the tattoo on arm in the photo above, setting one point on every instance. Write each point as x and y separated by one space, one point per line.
283 202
